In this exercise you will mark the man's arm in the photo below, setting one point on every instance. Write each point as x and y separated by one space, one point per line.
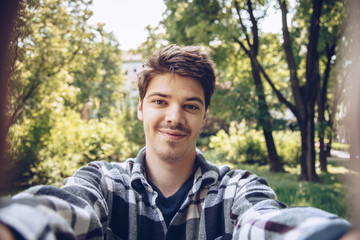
261 216
78 210
6 233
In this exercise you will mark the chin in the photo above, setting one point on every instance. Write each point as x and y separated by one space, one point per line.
170 156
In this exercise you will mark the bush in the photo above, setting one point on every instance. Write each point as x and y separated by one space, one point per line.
248 146
288 146
240 145
73 142
340 146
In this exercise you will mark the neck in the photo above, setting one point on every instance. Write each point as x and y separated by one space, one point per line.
169 176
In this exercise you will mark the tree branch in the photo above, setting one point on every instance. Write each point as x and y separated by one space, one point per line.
312 58
281 98
299 101
243 27
254 27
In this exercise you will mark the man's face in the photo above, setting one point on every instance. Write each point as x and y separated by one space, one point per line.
173 112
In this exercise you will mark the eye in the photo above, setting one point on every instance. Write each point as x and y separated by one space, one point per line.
158 101
191 107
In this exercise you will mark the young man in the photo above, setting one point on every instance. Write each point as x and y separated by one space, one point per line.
169 191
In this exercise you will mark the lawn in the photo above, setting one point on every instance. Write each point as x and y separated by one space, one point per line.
329 195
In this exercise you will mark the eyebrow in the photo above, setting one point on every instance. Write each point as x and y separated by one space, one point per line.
158 94
196 99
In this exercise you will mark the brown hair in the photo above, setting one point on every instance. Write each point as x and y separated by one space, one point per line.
190 61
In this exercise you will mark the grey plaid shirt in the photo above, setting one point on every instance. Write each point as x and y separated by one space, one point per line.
114 201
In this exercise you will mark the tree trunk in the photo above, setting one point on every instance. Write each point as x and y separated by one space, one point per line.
321 131
275 163
322 154
310 156
8 13
263 117
322 99
310 95
308 171
304 151
328 147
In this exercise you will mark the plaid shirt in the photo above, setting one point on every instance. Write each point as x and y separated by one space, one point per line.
114 201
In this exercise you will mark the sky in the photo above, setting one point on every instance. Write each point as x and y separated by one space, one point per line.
127 19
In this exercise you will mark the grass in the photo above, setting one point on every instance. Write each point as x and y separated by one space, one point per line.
329 195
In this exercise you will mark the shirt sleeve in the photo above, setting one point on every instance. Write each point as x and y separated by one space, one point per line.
78 210
260 216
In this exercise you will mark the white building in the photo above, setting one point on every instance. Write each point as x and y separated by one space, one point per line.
131 64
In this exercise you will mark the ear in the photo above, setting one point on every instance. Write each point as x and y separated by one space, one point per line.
204 119
139 110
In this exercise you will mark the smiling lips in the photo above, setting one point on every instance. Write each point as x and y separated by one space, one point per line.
174 133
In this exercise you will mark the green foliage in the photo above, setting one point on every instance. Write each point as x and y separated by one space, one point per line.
74 142
329 195
99 76
67 102
246 145
154 41
288 145
340 146
49 36
132 129
240 145
223 24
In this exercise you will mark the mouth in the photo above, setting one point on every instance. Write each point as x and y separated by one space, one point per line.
173 135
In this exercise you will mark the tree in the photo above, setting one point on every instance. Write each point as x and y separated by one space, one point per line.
349 68
200 22
99 77
154 41
8 12
50 40
347 64
59 65
304 91
218 22
48 36
305 95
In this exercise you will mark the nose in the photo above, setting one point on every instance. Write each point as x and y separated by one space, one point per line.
175 115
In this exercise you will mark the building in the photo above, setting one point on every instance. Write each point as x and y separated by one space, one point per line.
131 64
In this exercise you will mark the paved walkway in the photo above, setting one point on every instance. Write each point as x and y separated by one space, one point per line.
339 155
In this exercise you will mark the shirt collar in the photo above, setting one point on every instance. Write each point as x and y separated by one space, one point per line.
206 173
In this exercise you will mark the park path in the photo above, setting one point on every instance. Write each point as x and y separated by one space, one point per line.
339 155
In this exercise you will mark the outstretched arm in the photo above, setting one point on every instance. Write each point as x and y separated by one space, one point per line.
6 233
78 210
261 216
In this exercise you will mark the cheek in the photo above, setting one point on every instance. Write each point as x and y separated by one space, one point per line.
151 117
198 124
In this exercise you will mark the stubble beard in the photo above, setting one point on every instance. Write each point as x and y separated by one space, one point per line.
169 152
172 151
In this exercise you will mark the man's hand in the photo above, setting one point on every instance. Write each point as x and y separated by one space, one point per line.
352 235
5 233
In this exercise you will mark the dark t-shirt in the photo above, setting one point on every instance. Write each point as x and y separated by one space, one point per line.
169 206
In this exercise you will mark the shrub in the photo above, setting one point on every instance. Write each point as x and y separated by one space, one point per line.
74 142
340 146
288 146
248 146
240 145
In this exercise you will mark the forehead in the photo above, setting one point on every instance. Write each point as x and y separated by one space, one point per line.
173 84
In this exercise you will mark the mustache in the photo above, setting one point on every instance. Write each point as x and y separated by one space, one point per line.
179 128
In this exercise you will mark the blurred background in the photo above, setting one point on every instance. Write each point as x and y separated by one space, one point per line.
285 69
